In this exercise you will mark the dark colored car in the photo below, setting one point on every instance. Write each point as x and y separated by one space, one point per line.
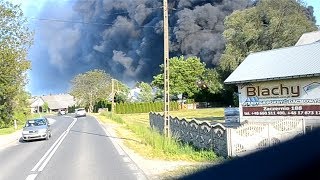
38 128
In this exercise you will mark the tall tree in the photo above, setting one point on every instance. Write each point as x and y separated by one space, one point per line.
184 75
122 92
91 87
268 25
15 39
145 92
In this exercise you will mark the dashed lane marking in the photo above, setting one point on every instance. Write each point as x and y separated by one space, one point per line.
31 176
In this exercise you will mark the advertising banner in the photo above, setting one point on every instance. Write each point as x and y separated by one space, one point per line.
295 97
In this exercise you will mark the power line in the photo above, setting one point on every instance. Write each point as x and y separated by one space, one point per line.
80 22
112 24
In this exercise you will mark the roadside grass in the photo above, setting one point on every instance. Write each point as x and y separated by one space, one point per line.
209 115
20 124
151 144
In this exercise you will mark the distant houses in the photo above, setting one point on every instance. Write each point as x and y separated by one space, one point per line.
54 102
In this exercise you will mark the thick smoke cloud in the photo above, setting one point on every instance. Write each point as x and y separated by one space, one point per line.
125 37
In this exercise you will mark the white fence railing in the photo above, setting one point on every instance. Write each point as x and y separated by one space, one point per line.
251 137
224 141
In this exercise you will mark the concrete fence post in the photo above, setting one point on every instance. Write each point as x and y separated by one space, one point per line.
304 126
269 139
229 142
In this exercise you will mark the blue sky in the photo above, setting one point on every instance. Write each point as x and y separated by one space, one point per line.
40 53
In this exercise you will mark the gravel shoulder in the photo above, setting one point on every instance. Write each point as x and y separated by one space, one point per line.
9 139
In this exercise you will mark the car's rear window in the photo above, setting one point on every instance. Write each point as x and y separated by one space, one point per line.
35 122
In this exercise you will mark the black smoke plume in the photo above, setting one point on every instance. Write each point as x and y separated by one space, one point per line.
125 37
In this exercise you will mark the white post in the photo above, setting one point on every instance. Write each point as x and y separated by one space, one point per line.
303 126
15 124
269 139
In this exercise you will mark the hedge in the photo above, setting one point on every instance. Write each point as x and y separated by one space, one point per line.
143 107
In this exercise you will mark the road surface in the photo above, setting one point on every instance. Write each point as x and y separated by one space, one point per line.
79 149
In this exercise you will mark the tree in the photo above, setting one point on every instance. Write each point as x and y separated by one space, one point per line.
15 39
122 92
45 107
145 92
184 74
269 25
91 87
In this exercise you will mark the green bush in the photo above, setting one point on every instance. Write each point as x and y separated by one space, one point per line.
144 107
190 101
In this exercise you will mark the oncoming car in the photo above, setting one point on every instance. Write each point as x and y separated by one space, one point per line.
36 129
62 112
80 112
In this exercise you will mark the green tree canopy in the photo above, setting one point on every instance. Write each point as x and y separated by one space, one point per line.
145 92
122 92
91 87
184 74
15 39
269 25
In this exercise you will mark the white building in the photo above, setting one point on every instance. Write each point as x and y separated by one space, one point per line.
280 83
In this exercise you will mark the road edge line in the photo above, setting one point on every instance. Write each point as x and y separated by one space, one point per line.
116 144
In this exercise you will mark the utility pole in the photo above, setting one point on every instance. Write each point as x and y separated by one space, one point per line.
166 69
112 96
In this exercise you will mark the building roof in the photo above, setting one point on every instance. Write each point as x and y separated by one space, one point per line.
35 102
308 38
283 63
59 101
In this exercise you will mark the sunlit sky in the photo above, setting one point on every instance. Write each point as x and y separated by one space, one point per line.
32 8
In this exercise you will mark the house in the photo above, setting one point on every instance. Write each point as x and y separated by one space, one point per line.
36 104
54 102
280 83
308 38
58 102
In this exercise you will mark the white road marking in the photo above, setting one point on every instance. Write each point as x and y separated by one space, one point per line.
52 153
114 142
31 176
140 176
53 148
126 159
56 147
46 154
133 167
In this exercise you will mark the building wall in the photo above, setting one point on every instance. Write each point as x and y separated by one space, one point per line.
271 100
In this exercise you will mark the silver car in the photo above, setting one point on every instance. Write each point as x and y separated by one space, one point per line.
80 112
36 129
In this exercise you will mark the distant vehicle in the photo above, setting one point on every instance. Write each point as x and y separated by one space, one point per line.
36 129
62 112
80 112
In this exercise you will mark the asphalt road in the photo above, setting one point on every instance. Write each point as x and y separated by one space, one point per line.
79 149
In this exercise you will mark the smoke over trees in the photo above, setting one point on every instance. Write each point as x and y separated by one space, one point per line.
125 38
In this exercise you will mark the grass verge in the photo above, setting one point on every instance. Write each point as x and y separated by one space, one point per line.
151 144
20 124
